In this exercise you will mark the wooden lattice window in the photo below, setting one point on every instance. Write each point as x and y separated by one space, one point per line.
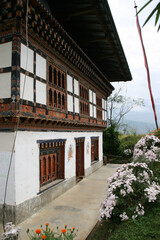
50 97
56 87
55 76
51 161
50 73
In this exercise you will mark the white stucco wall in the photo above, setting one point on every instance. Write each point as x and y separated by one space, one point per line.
103 115
90 95
24 177
69 83
6 143
91 110
102 103
69 103
94 112
41 65
26 87
94 97
5 85
41 94
5 55
76 87
76 104
27 58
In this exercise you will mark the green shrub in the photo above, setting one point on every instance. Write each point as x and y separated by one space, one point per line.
111 142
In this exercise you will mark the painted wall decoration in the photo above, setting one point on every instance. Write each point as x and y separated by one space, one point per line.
87 148
70 152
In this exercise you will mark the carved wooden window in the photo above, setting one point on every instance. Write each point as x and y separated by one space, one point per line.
50 73
56 87
55 76
63 101
84 96
59 78
51 160
62 80
59 100
55 99
99 107
50 96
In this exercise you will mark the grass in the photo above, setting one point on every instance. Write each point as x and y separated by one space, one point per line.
146 227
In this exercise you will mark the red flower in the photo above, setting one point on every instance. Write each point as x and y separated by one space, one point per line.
43 237
63 231
74 228
47 224
38 231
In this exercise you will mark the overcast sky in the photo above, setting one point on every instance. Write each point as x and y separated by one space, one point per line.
123 12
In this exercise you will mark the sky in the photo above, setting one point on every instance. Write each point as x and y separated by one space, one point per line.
123 12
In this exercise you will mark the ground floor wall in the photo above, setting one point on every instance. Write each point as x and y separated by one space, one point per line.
25 193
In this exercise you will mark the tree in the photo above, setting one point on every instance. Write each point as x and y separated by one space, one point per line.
118 106
111 143
155 10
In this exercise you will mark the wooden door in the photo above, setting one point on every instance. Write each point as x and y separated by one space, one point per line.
79 159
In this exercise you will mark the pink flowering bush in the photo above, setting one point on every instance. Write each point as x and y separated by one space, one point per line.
147 149
129 190
11 232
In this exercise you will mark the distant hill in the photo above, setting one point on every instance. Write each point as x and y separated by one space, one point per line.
139 127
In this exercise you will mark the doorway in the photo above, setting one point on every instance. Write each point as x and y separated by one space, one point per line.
79 159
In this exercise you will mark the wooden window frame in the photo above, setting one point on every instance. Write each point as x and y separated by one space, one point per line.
56 85
51 150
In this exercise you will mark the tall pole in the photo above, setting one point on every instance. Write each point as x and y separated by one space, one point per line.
146 66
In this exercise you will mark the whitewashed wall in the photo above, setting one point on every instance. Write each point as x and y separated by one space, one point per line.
6 143
5 61
104 112
26 87
91 110
41 94
27 58
76 104
5 55
94 112
70 103
5 85
41 64
94 97
69 83
24 183
76 87
90 96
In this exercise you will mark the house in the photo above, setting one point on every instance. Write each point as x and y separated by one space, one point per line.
57 62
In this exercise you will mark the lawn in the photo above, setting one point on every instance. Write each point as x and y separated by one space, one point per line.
146 227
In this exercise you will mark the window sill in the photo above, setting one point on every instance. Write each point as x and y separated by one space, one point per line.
50 185
93 162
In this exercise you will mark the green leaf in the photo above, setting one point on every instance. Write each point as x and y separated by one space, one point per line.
144 6
158 13
150 15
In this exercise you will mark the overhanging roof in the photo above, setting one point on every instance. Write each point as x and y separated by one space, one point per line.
90 24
